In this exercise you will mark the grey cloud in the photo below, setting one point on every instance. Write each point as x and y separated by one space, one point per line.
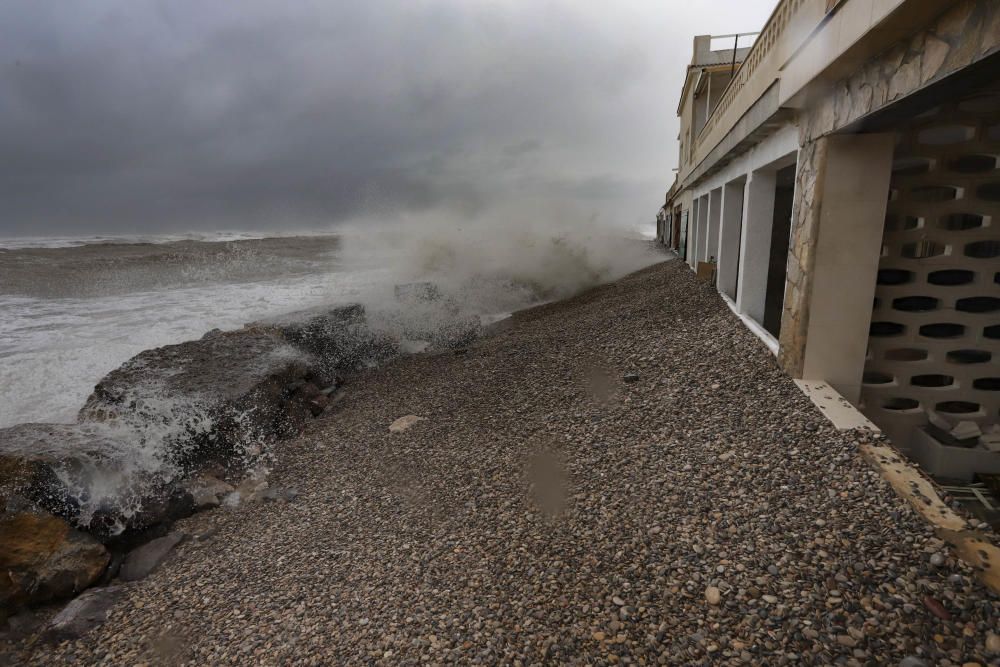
143 115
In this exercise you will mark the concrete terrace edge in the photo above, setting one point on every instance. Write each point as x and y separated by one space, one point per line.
974 548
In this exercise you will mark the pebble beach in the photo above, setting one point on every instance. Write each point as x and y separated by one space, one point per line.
623 477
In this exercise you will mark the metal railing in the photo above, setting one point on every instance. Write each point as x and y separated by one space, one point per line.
761 48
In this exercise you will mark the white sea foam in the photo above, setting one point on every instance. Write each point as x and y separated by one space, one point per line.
20 242
53 351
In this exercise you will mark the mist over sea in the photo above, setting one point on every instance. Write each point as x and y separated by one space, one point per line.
73 309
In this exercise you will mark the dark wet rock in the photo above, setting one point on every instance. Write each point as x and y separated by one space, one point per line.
82 614
218 393
36 460
215 399
43 558
57 466
141 562
630 377
340 339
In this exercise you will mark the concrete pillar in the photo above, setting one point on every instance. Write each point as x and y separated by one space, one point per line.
714 215
755 244
848 204
693 233
702 228
729 237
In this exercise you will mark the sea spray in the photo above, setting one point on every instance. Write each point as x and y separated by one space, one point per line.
503 260
229 397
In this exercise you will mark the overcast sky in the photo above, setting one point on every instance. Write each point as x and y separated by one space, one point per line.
145 116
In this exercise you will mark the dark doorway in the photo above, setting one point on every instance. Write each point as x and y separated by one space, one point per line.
784 191
676 238
682 246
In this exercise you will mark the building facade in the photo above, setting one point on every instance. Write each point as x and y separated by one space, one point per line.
842 190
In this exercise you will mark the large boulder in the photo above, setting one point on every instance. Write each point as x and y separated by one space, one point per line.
82 614
103 477
232 389
162 416
43 558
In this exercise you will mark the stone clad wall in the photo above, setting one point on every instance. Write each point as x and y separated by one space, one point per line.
801 247
965 34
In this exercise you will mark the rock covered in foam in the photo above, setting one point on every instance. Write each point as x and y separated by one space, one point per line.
104 477
219 378
339 339
43 558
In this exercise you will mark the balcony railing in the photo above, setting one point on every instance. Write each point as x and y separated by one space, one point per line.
761 48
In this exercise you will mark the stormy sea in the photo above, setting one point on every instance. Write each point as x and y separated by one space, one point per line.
74 309
129 364
71 310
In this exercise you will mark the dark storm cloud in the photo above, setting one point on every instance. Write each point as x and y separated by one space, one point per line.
147 116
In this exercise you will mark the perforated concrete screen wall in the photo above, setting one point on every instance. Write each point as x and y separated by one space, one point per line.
935 332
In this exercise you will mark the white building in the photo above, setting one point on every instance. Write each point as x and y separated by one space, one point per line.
839 180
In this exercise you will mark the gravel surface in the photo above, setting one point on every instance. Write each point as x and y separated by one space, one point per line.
624 477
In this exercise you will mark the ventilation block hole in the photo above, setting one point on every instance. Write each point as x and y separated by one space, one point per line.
934 193
992 332
911 166
957 222
915 304
973 164
978 304
905 354
895 223
898 404
932 380
957 407
986 384
886 329
942 330
922 249
989 191
874 377
983 249
945 134
969 356
951 277
895 277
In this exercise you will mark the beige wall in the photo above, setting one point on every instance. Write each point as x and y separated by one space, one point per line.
851 212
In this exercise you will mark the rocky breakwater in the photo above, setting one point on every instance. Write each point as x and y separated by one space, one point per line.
173 430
